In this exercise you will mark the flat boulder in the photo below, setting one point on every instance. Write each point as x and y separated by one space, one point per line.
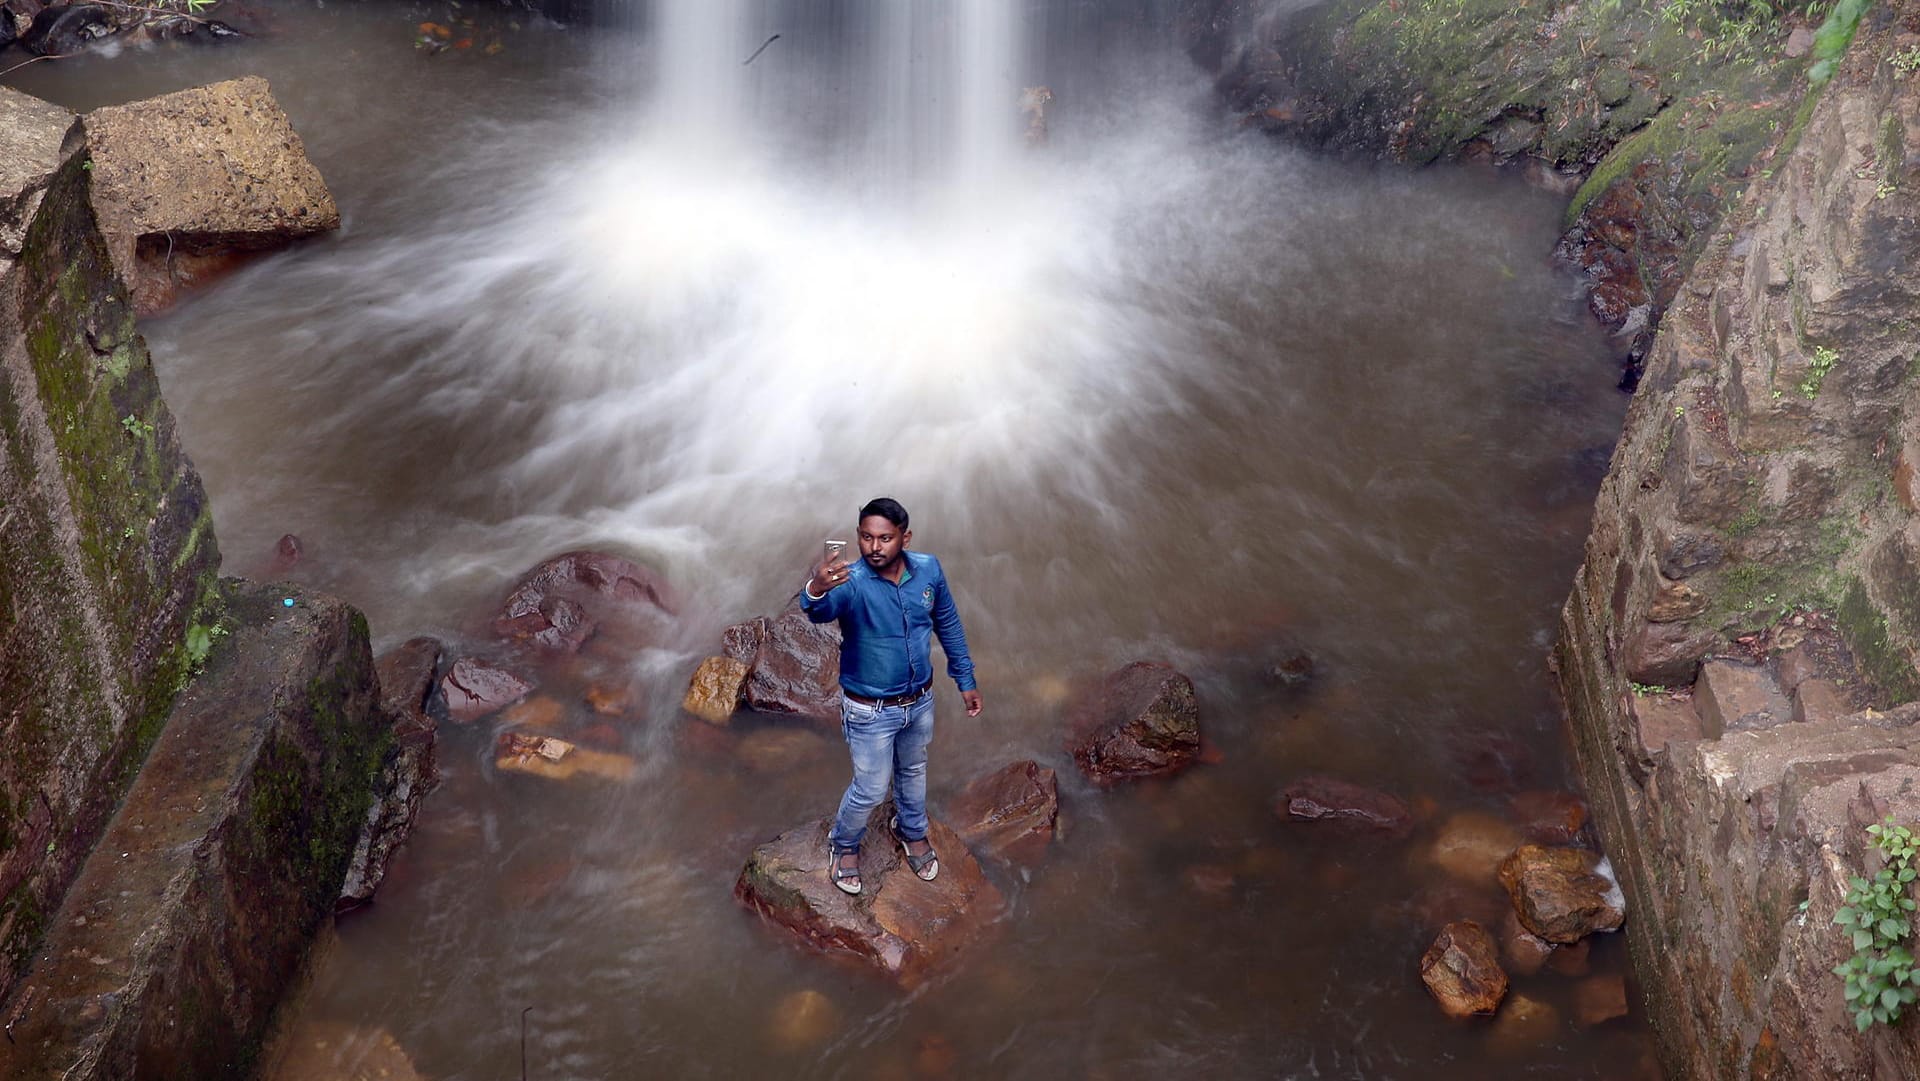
795 665
1462 971
475 689
1563 894
1011 813
1143 721
408 771
900 925
188 183
714 691
552 607
1327 799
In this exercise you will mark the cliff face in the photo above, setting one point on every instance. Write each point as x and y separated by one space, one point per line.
1765 483
107 557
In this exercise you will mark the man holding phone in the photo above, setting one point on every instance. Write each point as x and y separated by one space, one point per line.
889 605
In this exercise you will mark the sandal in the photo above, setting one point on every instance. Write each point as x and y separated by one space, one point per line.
926 865
847 878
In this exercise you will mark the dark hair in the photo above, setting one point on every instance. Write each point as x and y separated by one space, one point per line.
886 508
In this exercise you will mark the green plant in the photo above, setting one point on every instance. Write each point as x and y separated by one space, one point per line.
1642 690
1823 361
1907 60
1876 917
134 426
1833 37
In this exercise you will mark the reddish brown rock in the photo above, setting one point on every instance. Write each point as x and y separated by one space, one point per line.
1550 818
408 771
1675 601
550 607
1817 700
558 759
1524 1024
287 554
475 688
1326 799
1563 894
330 1051
1142 722
899 924
535 711
1658 722
1572 960
1469 845
714 691
1524 952
1731 697
1599 1000
1011 813
1462 971
1666 654
795 668
802 1020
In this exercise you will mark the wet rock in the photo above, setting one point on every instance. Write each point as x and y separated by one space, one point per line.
185 181
287 553
714 691
67 29
475 689
549 607
1599 1000
1009 814
1549 818
1142 722
742 641
407 773
558 759
1563 894
1469 846
1799 43
1289 667
1450 900
1524 952
1798 664
802 1020
903 926
1732 697
1328 799
1462 971
795 668
1209 880
1490 761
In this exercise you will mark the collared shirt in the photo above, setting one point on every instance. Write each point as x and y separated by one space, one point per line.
886 629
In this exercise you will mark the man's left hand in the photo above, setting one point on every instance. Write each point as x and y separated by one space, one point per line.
972 699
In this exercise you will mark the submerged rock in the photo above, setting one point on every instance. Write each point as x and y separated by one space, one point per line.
1011 813
1470 845
1462 971
1552 818
1328 799
1563 894
1142 722
802 1020
903 926
558 759
65 29
330 1051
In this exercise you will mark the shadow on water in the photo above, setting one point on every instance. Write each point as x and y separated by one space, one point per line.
1161 389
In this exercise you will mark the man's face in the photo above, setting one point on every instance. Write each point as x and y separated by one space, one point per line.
881 542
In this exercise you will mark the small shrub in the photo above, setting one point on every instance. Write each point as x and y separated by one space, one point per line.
1877 917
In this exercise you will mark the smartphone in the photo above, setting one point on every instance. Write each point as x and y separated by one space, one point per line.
833 548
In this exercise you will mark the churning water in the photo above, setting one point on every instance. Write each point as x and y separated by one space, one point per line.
1157 388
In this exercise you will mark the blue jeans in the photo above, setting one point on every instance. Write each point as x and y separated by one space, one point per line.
888 743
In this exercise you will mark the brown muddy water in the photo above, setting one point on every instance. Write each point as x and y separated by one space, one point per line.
1163 389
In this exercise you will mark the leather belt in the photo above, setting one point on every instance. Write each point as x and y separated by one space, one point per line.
907 699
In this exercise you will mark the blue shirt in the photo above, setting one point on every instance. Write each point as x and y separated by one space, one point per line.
885 628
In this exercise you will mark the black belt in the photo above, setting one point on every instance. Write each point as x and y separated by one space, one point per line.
907 699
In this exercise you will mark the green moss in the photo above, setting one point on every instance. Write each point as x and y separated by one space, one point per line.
1879 658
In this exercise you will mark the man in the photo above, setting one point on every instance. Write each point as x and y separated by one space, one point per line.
889 605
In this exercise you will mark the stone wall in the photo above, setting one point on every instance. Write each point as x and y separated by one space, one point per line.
107 555
1763 490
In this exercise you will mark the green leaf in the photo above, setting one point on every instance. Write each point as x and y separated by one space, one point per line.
1891 928
1844 917
1862 1020
1862 939
1889 999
